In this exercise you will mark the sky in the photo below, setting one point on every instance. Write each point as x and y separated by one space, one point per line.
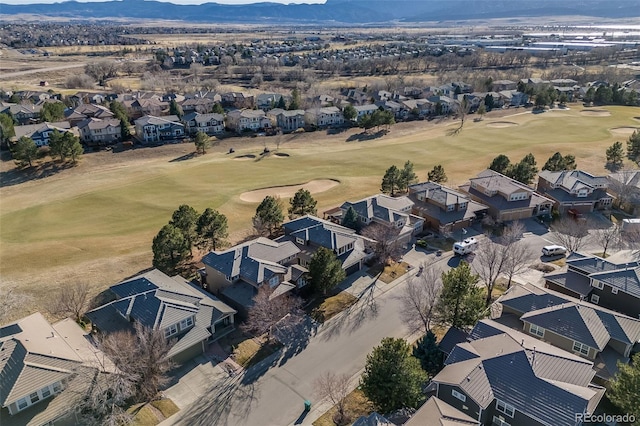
172 1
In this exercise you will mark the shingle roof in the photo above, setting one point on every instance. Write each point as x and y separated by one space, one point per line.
436 412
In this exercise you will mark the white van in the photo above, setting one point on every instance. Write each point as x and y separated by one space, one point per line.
465 247
554 250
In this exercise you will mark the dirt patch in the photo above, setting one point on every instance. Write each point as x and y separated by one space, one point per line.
314 186
245 157
281 155
626 131
595 113
502 124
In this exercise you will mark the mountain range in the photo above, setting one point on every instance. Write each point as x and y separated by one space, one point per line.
333 11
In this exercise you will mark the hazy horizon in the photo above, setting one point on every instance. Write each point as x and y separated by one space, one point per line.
184 2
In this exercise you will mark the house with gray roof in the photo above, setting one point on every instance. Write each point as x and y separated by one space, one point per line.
247 120
625 188
84 111
436 412
186 314
287 121
394 212
211 124
506 198
201 105
267 101
611 285
324 117
22 113
600 335
366 109
575 189
151 129
501 376
444 209
45 370
94 131
41 133
236 274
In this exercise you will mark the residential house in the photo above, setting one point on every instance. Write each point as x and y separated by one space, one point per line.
199 105
358 97
421 107
84 111
366 109
575 189
436 412
534 82
393 212
150 129
398 109
86 98
236 274
22 113
309 233
247 120
625 187
514 98
45 370
287 121
412 92
267 101
373 419
564 82
501 376
188 316
500 85
41 133
211 124
141 107
94 131
444 209
597 334
324 117
611 285
237 100
442 105
506 198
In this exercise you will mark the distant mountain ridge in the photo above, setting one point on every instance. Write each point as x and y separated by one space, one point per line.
337 11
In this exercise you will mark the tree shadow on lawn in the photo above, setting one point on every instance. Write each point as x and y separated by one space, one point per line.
366 308
184 157
39 171
365 136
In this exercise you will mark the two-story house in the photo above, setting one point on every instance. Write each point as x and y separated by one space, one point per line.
600 335
499 85
444 209
267 101
388 211
22 113
420 107
200 105
94 131
309 233
45 370
611 285
503 377
366 109
247 120
237 100
236 274
287 121
84 111
625 187
436 412
186 314
41 133
324 117
506 198
211 124
141 107
150 129
513 98
575 189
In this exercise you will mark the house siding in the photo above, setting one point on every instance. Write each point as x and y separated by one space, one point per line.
621 302
558 341
468 407
216 281
189 353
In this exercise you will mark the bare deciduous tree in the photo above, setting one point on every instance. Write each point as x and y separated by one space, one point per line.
571 233
460 109
385 245
518 254
608 238
267 310
70 300
334 387
489 262
419 298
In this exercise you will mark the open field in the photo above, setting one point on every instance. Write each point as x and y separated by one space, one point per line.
95 222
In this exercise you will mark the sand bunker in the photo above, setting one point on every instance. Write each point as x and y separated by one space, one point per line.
281 155
501 124
626 131
595 112
314 186
245 157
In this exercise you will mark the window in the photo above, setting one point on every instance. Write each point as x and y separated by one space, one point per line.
597 284
22 403
595 298
538 331
580 348
171 330
46 392
300 241
184 324
505 408
499 422
34 397
274 281
57 387
462 397
613 290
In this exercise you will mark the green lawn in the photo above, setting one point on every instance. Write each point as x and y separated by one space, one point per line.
86 221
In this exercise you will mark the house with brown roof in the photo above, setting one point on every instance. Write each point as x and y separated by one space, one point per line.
600 335
574 189
84 111
153 106
45 370
444 209
237 100
506 198
436 412
501 376
94 131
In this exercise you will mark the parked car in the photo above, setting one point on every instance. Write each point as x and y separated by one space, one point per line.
554 250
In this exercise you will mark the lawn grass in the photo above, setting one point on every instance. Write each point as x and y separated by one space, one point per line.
357 405
98 225
440 243
322 310
390 272
251 351
166 406
601 254
153 413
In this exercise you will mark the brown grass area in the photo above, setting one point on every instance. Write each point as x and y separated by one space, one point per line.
251 351
331 306
153 413
357 405
390 272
